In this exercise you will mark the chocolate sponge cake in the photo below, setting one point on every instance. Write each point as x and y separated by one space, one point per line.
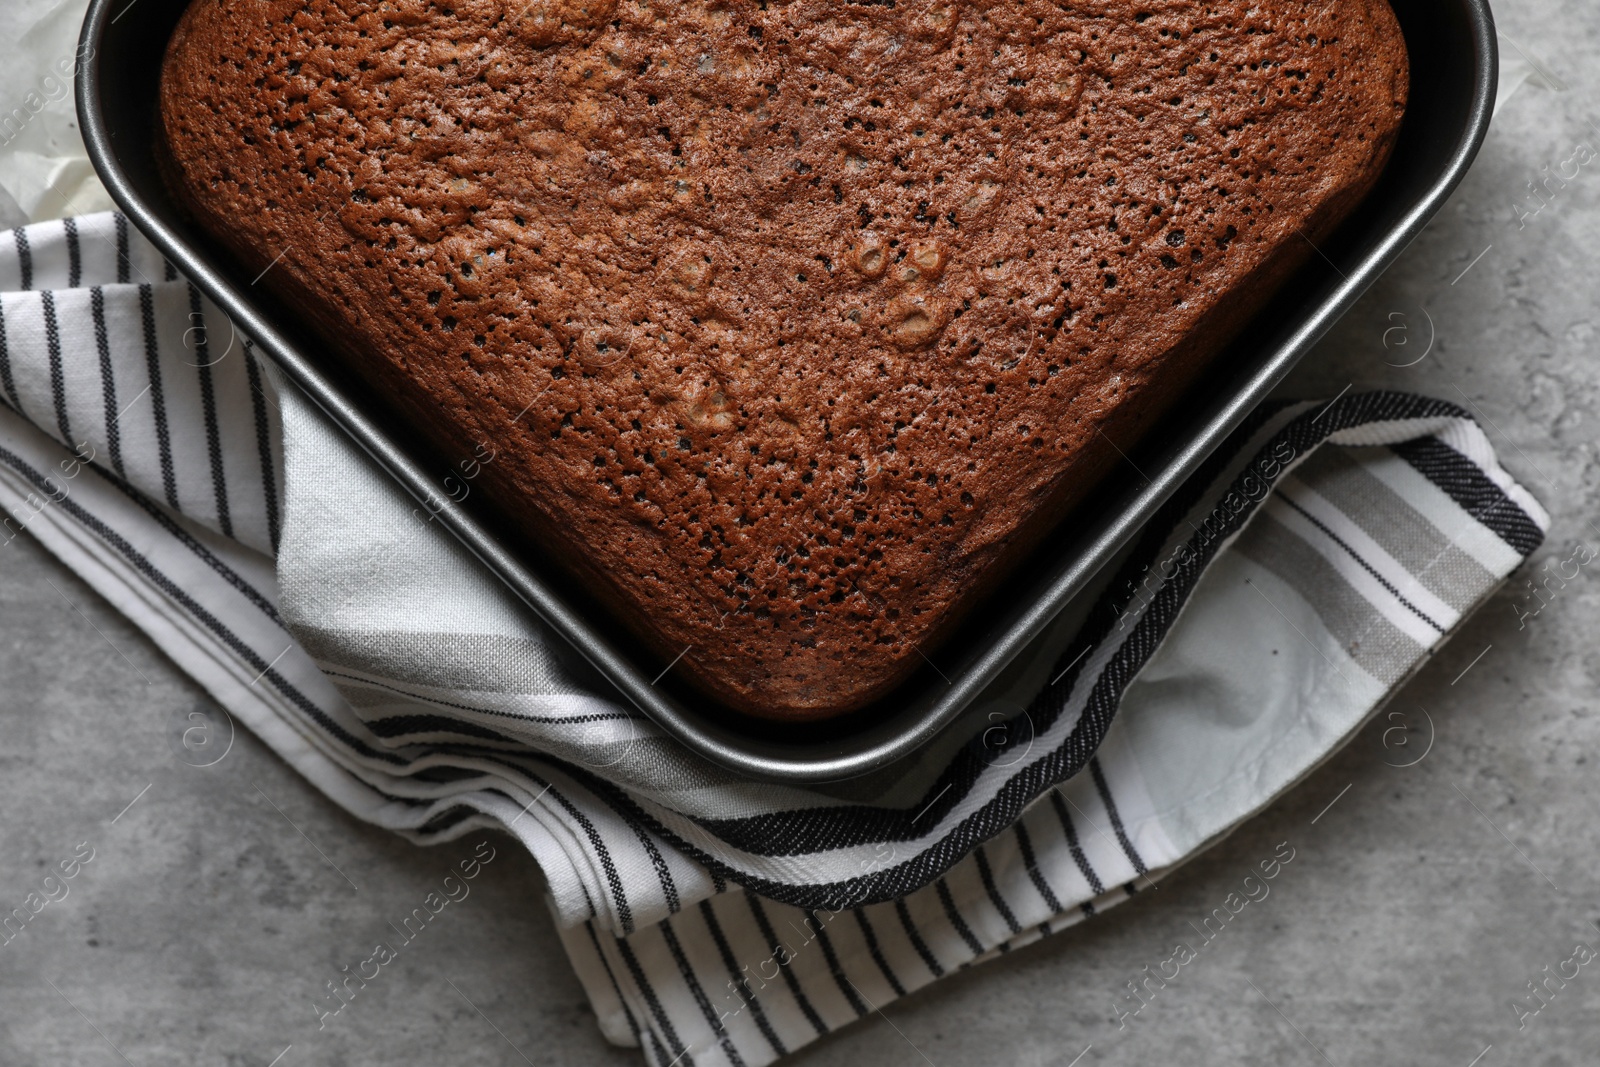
789 324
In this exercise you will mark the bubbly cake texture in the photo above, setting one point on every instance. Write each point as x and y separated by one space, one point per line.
789 325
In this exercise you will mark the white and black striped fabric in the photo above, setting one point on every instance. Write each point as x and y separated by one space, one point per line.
1321 555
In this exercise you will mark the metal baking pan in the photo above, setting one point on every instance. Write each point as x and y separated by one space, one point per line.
1453 71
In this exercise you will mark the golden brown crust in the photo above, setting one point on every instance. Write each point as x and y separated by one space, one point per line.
791 323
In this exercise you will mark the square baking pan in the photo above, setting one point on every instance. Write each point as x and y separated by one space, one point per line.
1453 71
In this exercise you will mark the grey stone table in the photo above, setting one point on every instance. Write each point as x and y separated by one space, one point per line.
1421 902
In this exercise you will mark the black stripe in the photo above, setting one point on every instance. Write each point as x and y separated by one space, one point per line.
1116 819
58 381
781 956
999 902
6 380
929 960
1465 483
669 888
124 263
698 992
1361 408
663 1021
981 825
1025 848
447 819
168 271
956 921
172 528
1353 554
445 773
740 984
588 901
210 622
208 405
1084 867
658 1055
158 401
840 979
619 897
24 256
74 253
871 938
269 477
108 380
616 987
393 726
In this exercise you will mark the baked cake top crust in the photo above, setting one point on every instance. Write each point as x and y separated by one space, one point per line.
785 321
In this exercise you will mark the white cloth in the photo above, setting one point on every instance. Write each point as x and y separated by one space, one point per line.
44 171
1311 566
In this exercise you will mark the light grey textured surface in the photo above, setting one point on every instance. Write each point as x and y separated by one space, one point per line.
1416 910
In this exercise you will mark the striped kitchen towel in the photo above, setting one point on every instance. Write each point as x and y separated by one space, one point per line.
1317 559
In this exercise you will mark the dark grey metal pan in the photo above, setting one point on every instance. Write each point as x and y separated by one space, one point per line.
1453 72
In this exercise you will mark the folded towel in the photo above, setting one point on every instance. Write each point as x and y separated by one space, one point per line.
1314 562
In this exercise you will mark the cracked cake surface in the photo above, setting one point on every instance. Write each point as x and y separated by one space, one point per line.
788 325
